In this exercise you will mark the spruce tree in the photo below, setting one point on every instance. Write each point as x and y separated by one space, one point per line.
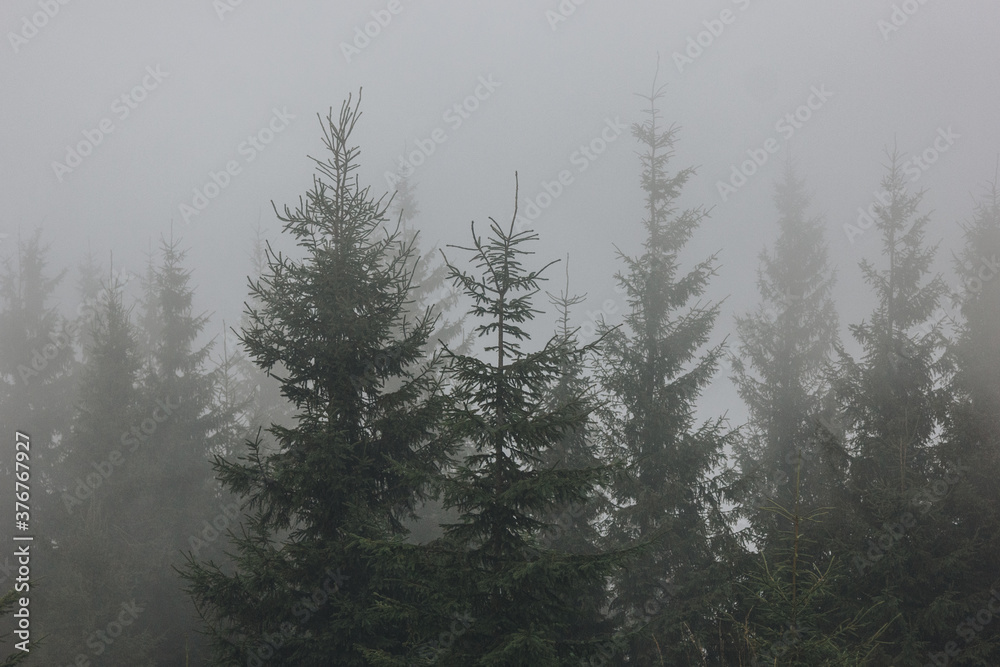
314 562
519 598
180 491
970 445
94 555
36 363
793 616
893 403
574 526
780 369
652 370
788 468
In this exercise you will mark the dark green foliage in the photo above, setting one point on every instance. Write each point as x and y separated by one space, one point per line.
94 553
892 402
780 371
652 371
971 441
315 561
431 289
521 596
36 362
179 506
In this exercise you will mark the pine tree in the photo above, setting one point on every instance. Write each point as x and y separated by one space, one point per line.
652 370
180 490
893 405
316 559
781 374
971 440
574 526
520 599
267 405
794 616
430 278
36 363
36 398
94 555
781 367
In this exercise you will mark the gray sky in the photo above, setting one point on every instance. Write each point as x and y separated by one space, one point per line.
200 78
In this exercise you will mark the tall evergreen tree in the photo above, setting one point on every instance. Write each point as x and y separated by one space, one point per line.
311 574
521 597
781 373
181 492
36 361
430 277
793 616
574 526
971 440
781 367
652 371
36 385
95 554
893 405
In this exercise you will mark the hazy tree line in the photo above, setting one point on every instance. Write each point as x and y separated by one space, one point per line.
380 466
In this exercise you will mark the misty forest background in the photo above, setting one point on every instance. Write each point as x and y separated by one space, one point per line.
385 462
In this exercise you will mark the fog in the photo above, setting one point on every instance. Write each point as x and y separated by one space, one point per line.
124 124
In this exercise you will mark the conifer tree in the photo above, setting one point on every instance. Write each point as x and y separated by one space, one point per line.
315 559
36 361
520 598
780 369
893 404
430 277
970 444
574 526
794 617
652 370
180 507
36 396
95 554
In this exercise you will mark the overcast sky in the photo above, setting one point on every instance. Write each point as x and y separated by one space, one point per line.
162 95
